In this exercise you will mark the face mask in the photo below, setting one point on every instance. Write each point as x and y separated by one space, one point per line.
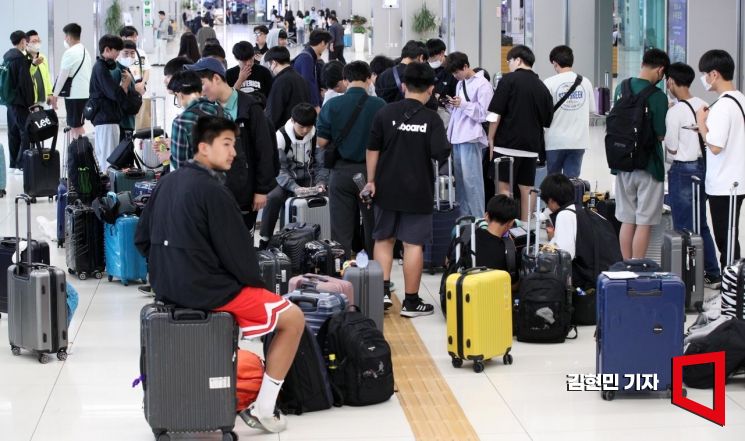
435 64
707 86
33 47
126 61
66 44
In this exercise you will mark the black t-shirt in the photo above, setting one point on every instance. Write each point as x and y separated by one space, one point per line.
404 176
260 79
445 82
261 50
525 107
490 250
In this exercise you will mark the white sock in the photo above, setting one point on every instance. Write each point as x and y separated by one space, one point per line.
267 398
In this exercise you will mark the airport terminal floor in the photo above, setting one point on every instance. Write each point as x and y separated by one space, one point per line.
90 395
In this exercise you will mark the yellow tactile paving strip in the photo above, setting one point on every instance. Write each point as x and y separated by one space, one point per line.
430 406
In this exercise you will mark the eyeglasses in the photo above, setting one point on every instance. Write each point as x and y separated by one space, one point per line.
258 33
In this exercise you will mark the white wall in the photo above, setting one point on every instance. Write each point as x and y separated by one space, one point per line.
549 32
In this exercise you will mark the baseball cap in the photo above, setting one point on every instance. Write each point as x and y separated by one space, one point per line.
208 63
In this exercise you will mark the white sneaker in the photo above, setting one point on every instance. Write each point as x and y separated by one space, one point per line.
276 423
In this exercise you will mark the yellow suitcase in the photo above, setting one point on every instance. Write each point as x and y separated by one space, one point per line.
479 319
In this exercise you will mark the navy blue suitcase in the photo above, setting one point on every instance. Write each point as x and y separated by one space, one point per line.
640 326
443 219
580 188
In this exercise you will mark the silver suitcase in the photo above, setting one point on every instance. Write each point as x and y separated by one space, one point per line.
311 210
37 303
368 290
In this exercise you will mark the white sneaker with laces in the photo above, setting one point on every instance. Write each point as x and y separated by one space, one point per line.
276 423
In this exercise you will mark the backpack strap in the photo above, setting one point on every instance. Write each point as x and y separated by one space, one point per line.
701 142
569 92
397 79
510 253
288 141
738 105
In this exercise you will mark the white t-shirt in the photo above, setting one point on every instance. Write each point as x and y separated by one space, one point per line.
684 141
565 230
570 127
726 130
71 60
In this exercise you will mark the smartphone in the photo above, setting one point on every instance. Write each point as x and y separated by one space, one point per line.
693 127
549 224
517 232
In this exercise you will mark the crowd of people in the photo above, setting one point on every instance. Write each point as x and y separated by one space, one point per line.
250 136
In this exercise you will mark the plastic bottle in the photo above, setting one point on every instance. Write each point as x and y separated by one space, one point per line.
362 259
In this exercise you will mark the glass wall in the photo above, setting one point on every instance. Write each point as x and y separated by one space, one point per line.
677 29
638 25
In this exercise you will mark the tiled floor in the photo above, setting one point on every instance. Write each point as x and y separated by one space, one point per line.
89 396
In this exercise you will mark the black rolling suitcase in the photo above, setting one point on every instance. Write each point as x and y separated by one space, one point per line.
84 237
188 370
276 269
444 216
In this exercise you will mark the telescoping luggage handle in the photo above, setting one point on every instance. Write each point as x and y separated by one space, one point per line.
26 198
498 161
451 194
68 141
696 206
153 121
466 220
731 223
537 221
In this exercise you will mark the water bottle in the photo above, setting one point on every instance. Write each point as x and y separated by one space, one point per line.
362 259
360 180
581 292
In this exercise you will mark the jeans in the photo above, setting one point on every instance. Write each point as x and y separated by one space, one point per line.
345 203
681 204
568 162
469 179
274 202
17 136
720 221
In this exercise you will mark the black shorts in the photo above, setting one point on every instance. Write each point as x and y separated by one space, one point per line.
523 170
74 109
411 228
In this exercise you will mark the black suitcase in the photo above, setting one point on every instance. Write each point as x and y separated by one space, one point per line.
41 172
580 188
324 257
39 254
291 241
607 209
84 237
276 269
188 370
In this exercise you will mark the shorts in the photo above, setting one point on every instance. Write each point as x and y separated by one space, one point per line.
523 170
638 198
411 228
256 310
74 108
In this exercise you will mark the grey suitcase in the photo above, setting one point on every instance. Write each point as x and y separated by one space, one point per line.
368 290
188 370
37 303
311 210
683 254
317 306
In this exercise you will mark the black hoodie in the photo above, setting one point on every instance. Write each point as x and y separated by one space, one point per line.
20 77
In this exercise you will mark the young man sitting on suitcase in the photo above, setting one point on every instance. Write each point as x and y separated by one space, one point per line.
301 166
199 259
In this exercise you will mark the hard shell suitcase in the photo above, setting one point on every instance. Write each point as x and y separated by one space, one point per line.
188 370
317 306
479 325
124 180
323 283
311 210
445 214
580 188
37 303
123 261
3 171
61 205
41 172
275 268
324 257
84 237
291 241
39 254
602 96
143 188
640 328
368 290
555 260
148 131
607 209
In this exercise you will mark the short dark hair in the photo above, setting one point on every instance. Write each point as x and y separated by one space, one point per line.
418 77
656 58
718 60
559 188
522 52
562 55
319 36
30 34
435 46
213 50
73 30
413 49
129 44
243 51
207 128
331 74
175 65
502 208
304 114
279 54
380 63
111 42
128 31
16 37
356 71
681 73
457 61
185 81
333 17
161 12
261 28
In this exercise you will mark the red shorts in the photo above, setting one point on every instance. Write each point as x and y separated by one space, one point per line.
256 310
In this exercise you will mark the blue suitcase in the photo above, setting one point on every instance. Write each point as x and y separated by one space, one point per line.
123 261
639 328
317 306
444 217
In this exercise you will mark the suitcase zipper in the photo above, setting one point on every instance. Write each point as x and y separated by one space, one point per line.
53 309
459 314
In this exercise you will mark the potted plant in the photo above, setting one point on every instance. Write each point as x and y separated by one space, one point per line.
358 32
113 21
424 21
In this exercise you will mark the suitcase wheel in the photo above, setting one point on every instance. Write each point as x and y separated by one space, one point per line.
82 276
98 275
507 359
111 278
229 436
125 282
60 244
51 198
478 367
457 362
163 436
44 358
71 271
608 395
15 350
33 200
62 355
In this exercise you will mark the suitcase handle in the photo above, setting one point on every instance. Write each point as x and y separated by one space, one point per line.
304 299
318 277
644 293
476 269
189 314
26 198
316 201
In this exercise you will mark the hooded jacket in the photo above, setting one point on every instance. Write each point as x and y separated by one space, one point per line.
301 163
106 93
20 77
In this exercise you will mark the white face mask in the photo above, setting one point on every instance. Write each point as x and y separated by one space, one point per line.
435 64
66 44
706 84
126 61
33 47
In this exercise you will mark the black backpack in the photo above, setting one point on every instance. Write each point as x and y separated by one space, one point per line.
84 176
597 248
629 136
306 387
728 337
358 359
545 309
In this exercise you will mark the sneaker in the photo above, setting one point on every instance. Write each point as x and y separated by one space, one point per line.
263 244
417 309
146 290
712 282
387 302
276 423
